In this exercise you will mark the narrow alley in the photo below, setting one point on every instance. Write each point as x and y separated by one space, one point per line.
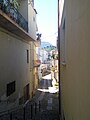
48 98
43 106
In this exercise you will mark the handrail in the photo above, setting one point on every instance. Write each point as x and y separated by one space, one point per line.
34 107
14 14
11 110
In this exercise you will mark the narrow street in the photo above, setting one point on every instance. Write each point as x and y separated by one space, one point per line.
43 106
48 97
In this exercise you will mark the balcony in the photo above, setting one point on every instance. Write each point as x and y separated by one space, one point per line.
13 21
37 63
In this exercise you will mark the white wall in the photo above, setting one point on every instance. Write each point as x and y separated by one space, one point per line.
31 21
23 9
44 55
27 11
13 64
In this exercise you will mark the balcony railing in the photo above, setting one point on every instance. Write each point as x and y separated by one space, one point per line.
13 13
21 112
37 63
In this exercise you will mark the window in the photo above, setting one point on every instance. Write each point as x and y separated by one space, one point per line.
27 56
10 88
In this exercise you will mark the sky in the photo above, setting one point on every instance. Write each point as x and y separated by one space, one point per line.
47 19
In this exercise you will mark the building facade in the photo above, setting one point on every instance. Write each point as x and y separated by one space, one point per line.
54 64
44 55
17 34
75 59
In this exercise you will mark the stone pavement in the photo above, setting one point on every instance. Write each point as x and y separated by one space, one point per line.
47 115
48 101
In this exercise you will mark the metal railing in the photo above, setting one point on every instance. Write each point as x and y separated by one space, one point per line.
22 113
13 13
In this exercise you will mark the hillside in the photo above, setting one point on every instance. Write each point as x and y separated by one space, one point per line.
47 46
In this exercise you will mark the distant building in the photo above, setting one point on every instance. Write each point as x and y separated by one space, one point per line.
44 55
54 64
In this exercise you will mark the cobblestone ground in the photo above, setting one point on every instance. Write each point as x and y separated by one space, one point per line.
48 102
47 115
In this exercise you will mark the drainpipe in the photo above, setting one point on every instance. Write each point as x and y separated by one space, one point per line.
59 58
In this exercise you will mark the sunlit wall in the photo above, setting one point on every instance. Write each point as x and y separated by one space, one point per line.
75 60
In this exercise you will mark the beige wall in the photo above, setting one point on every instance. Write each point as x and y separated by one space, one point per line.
56 71
75 76
13 64
33 69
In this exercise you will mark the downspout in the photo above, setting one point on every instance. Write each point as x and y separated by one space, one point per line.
59 58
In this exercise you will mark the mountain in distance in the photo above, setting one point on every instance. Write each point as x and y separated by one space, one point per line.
47 46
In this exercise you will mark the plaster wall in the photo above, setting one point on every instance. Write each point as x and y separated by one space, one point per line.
13 64
75 75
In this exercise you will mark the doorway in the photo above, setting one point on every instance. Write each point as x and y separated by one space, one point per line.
26 93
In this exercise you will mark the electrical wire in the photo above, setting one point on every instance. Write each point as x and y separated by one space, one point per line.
50 35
